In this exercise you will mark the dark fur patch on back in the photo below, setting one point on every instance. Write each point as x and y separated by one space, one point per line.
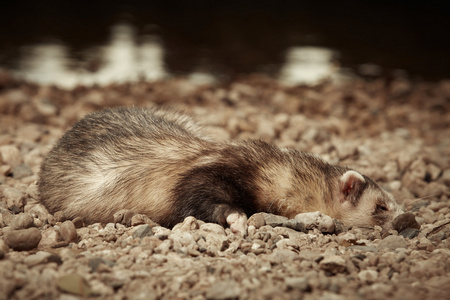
211 192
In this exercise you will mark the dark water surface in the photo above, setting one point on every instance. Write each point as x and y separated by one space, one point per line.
223 39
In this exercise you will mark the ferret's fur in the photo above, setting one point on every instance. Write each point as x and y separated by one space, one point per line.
158 163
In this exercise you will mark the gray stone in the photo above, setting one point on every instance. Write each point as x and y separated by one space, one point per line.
74 284
393 242
256 220
14 198
213 227
37 210
124 217
142 231
140 219
95 262
403 221
316 220
59 216
23 239
5 170
68 232
368 276
224 289
42 257
164 247
446 176
33 191
161 233
10 155
409 233
339 226
21 171
348 237
299 283
181 238
139 290
363 248
50 238
296 225
333 264
214 242
288 232
22 221
279 256
274 220
440 231
3 246
6 217
188 224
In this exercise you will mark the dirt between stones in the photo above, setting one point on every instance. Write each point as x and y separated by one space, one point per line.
395 131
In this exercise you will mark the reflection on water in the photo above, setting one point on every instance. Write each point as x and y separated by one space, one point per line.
124 59
308 65
47 64
221 40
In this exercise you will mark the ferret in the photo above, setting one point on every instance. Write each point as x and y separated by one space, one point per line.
159 162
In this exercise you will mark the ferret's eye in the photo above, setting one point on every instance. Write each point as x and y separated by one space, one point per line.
382 207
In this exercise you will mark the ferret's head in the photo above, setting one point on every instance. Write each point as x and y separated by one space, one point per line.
363 203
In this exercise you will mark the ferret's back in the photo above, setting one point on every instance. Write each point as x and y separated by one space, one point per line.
111 154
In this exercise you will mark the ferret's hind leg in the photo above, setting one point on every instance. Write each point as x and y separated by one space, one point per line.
237 223
235 218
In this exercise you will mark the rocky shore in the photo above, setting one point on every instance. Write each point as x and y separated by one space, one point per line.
396 131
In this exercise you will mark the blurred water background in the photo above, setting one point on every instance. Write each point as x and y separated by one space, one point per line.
67 43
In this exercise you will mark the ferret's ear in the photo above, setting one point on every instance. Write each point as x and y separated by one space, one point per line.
352 185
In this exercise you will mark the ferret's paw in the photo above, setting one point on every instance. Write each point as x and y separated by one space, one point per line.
238 223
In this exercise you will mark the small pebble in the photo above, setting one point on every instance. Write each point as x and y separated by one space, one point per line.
74 284
95 262
333 264
23 239
189 223
142 231
274 220
222 290
42 257
363 248
68 232
59 216
295 224
446 177
140 219
213 227
392 242
21 171
368 276
409 233
403 221
10 155
14 198
256 220
299 283
124 217
316 220
50 238
22 221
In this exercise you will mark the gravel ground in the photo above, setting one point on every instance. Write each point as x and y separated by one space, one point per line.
396 131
